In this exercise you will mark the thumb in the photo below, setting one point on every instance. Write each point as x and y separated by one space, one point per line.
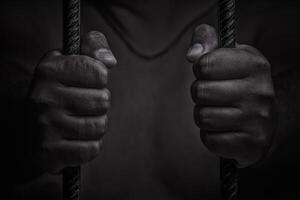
95 45
204 40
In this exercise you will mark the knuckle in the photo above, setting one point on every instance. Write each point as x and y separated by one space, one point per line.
241 53
199 88
53 53
264 107
98 128
82 61
105 98
96 69
93 129
204 117
204 120
45 68
204 29
95 148
267 93
88 152
101 103
78 62
205 62
43 96
255 112
82 127
103 124
255 139
237 51
47 65
95 53
264 113
202 91
97 40
107 95
51 66
90 127
100 74
264 98
262 63
95 35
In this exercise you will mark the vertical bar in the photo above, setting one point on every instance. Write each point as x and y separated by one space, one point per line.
71 46
227 39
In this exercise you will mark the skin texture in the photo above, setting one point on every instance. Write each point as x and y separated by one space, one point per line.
233 93
71 101
234 98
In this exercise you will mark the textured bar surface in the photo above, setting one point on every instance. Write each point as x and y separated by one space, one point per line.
227 39
71 46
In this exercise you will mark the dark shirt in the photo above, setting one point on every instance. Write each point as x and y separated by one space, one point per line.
153 148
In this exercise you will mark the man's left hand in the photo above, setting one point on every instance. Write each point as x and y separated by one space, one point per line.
234 98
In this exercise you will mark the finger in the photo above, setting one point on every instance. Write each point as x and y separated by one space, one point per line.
223 64
249 49
218 93
48 60
219 119
53 53
83 102
204 40
76 71
231 145
95 45
85 128
75 128
72 153
75 101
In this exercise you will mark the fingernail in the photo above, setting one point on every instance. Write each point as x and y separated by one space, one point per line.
107 57
195 52
110 58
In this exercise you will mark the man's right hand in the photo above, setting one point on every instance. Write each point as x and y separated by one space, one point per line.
71 99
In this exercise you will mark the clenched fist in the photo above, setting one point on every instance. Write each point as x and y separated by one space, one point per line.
234 98
71 101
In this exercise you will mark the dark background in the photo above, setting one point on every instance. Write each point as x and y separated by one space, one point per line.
278 39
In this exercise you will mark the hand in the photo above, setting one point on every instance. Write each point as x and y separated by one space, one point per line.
234 98
71 101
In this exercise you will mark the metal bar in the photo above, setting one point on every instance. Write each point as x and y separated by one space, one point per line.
71 46
227 39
